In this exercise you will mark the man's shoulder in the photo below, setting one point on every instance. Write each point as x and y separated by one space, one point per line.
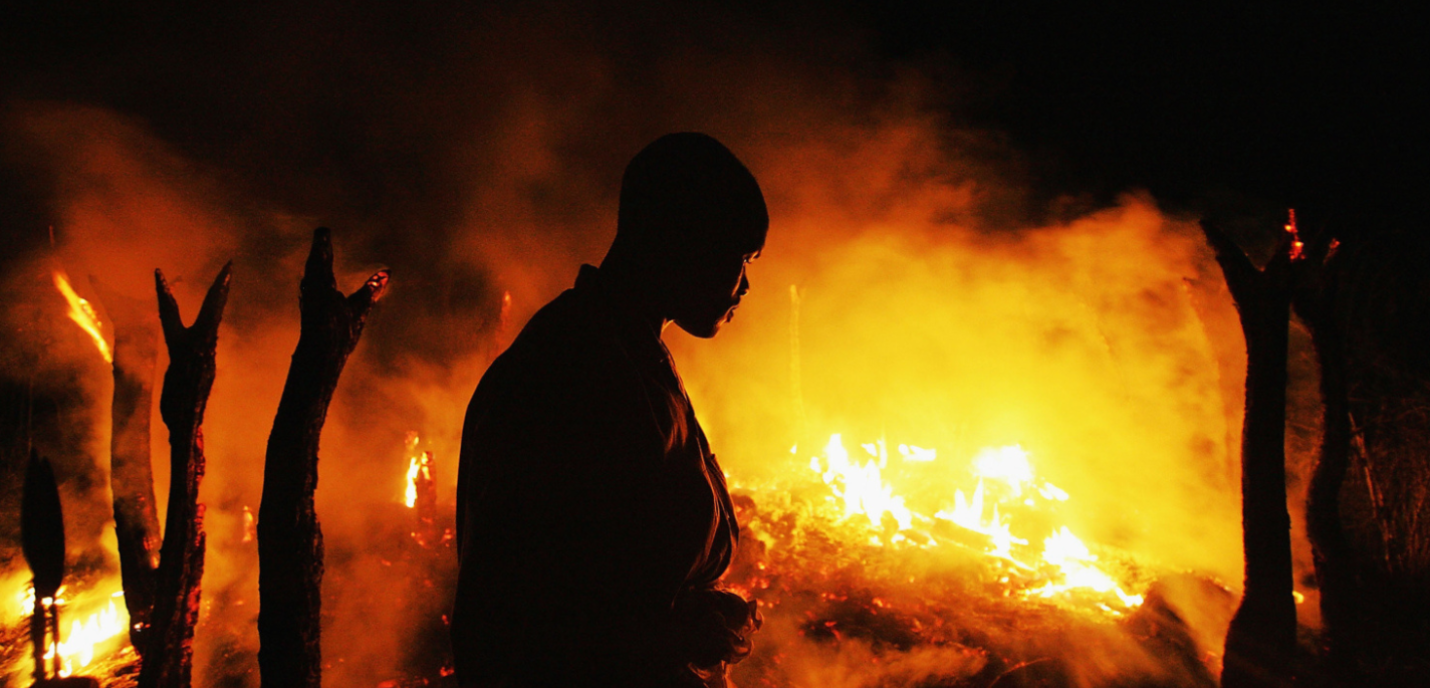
567 328
563 343
564 371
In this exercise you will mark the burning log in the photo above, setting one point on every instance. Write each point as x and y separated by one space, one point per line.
131 477
1314 300
290 540
168 651
1261 641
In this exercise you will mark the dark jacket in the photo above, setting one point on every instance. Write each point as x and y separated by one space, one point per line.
589 506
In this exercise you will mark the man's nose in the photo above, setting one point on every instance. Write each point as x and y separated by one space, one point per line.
744 284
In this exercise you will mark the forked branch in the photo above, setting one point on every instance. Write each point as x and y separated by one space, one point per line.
168 656
290 538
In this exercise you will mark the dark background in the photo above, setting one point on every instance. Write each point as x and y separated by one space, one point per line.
1317 106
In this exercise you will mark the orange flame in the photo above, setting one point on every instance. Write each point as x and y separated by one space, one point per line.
83 315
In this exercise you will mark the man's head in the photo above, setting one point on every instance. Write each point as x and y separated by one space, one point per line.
691 218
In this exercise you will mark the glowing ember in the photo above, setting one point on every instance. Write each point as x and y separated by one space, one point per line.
1298 248
83 315
1005 481
505 316
248 525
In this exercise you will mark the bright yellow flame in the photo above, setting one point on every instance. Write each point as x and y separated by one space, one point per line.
77 649
87 636
1008 464
1078 569
968 514
83 315
1064 565
25 600
413 468
912 453
861 486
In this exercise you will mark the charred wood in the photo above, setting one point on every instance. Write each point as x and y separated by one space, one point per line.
1314 300
290 539
1261 641
39 625
68 682
42 535
131 477
168 651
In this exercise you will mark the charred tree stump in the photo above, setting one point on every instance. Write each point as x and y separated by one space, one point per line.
42 536
290 540
131 477
1261 642
1314 300
168 652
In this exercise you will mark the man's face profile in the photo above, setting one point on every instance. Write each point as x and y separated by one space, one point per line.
714 286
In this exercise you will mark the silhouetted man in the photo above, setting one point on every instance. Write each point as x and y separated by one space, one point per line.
593 521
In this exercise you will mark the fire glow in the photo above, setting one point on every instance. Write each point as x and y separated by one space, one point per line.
1085 343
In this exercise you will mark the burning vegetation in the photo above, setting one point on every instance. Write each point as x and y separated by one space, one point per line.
915 533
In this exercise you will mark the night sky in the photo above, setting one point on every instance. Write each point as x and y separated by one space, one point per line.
1205 106
1310 106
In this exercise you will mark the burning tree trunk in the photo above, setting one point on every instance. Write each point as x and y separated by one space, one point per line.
1314 300
1261 641
168 652
131 477
290 541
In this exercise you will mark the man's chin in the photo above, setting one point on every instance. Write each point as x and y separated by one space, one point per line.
703 329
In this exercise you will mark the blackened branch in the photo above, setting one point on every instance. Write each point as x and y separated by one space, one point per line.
1261 641
290 539
1314 297
168 653
131 477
